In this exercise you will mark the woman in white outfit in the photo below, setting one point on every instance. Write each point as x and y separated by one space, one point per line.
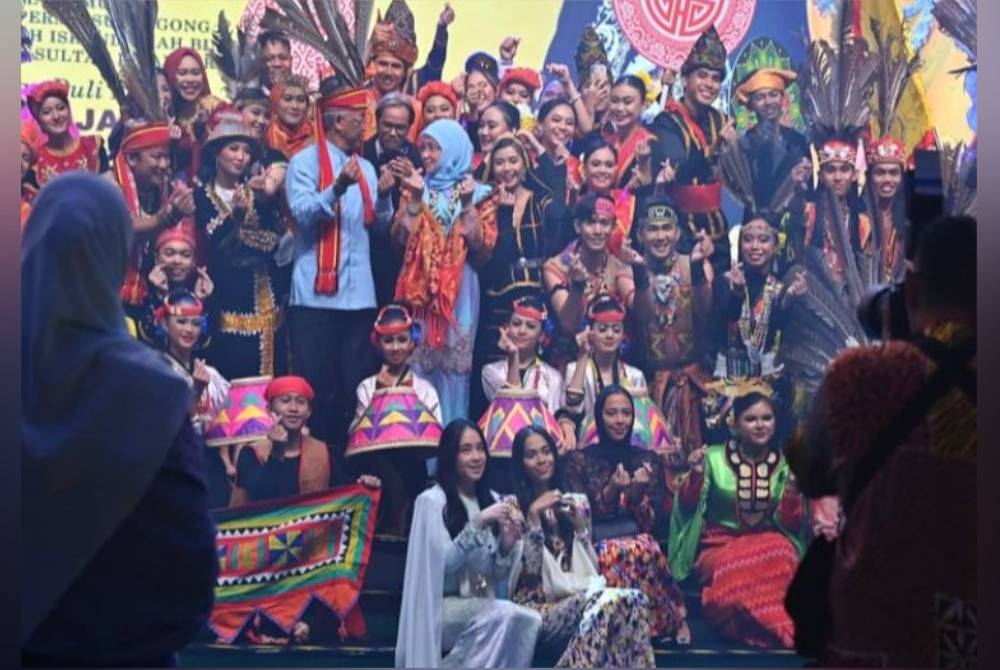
458 561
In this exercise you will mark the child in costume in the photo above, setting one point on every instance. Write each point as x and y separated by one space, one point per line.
400 466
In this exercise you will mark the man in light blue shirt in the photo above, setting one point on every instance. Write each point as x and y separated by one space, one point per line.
332 304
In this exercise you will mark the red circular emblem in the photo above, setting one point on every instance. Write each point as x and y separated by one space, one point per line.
665 30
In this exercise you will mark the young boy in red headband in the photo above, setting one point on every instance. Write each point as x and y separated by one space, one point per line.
289 461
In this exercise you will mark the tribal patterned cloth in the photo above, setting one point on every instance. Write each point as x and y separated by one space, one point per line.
276 557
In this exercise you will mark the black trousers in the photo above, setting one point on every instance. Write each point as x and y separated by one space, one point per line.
332 350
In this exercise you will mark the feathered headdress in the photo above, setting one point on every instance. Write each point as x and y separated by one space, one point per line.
238 62
958 164
818 326
893 74
837 81
958 19
395 34
590 52
320 24
737 175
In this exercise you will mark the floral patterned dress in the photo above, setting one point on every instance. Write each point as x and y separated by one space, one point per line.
558 577
631 558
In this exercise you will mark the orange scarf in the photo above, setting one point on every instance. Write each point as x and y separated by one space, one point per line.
627 149
289 141
432 268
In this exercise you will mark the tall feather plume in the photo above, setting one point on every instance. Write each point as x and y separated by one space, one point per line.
75 16
736 173
960 196
239 62
362 17
134 24
894 74
958 19
819 325
855 288
837 84
326 31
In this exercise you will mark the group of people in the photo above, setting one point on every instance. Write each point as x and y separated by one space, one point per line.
495 240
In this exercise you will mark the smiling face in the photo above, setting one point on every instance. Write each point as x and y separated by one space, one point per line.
558 127
393 126
256 117
618 414
437 107
183 332
189 83
516 93
595 232
396 347
508 168
626 105
389 73
54 116
757 244
599 170
525 333
479 92
177 259
430 154
838 177
292 106
768 104
278 60
492 124
539 460
234 159
292 409
660 238
470 463
150 167
755 426
703 85
886 179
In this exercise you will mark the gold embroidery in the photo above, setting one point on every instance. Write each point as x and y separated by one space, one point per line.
264 321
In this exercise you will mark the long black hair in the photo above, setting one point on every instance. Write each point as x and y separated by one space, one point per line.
523 489
525 492
455 516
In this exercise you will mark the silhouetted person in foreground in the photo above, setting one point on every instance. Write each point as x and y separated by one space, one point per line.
117 544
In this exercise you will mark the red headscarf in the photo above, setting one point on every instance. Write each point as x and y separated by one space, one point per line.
289 384
173 62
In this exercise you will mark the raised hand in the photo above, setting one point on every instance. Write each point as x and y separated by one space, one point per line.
203 285
799 284
583 341
560 72
414 184
240 201
371 481
386 180
666 174
729 133
577 270
737 280
447 15
801 173
278 433
351 173
505 198
643 475
200 372
620 479
158 278
508 48
465 190
544 502
495 513
505 344
703 247
629 255
182 198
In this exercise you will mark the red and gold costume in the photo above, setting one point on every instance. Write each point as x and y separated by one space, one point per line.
394 37
84 152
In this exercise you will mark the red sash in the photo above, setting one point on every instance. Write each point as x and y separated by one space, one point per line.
328 245
627 149
697 198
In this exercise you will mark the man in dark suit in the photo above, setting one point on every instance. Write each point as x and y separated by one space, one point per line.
389 150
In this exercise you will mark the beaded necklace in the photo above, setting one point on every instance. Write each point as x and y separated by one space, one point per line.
754 320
